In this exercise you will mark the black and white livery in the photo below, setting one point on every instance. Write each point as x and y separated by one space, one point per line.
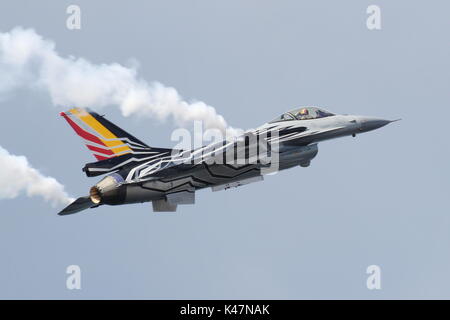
168 177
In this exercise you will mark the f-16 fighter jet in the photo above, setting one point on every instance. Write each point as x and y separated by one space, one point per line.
170 177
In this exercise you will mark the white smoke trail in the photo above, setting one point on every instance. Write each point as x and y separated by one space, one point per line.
26 59
17 176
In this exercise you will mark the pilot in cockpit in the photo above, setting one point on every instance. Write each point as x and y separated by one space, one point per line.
303 114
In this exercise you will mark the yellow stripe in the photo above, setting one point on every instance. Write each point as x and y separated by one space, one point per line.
101 130
120 149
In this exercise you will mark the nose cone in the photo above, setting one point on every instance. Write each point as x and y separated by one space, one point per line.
369 124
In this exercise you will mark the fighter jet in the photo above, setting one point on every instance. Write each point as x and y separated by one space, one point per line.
168 177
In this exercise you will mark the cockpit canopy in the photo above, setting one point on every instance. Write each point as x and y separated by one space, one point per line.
304 113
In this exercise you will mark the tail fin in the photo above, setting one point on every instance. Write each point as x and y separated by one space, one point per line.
103 138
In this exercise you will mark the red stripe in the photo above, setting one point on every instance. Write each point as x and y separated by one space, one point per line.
100 157
100 150
82 133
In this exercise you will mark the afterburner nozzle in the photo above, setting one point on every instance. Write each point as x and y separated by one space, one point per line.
107 187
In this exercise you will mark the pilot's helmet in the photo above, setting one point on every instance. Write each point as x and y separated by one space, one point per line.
303 112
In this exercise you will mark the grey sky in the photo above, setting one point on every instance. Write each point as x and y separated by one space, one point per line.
304 233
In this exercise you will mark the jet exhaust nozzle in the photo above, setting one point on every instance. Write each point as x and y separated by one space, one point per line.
105 188
95 195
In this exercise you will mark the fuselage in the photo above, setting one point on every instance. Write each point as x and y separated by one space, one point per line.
173 179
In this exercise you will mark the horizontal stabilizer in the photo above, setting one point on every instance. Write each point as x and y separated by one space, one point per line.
78 205
116 163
